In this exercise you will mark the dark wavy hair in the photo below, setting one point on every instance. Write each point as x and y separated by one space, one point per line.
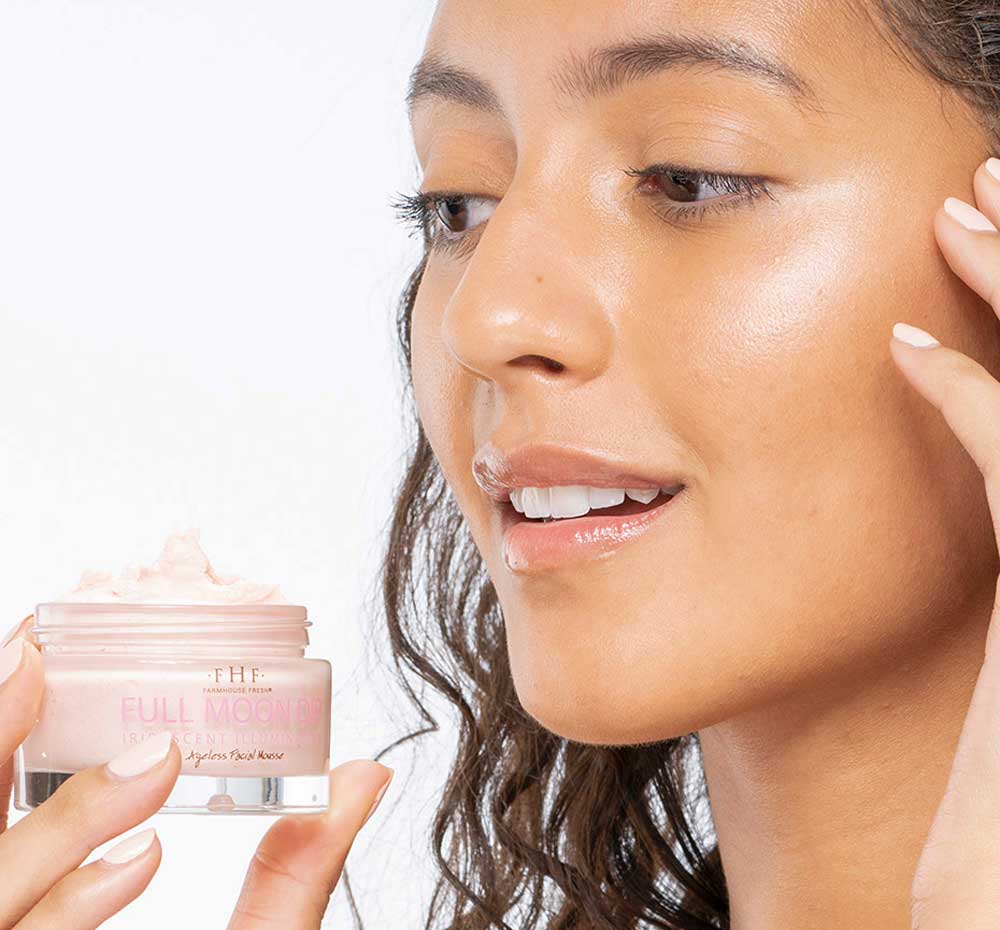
533 830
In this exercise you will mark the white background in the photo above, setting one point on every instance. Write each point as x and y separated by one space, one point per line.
198 274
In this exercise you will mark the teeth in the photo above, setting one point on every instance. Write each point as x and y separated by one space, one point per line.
606 497
565 501
515 499
536 502
641 495
571 501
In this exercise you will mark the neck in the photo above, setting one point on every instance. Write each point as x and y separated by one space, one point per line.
822 800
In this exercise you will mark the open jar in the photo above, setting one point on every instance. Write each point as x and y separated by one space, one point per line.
250 714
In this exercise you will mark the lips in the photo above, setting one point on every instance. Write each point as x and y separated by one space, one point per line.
538 546
497 472
535 545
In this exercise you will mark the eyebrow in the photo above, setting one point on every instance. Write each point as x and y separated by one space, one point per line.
609 68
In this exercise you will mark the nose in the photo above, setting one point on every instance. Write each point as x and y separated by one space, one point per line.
529 302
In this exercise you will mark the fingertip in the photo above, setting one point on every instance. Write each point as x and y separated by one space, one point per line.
378 797
172 762
356 789
21 628
967 216
155 851
132 847
384 773
128 867
153 858
912 350
358 767
357 777
174 753
913 336
22 675
32 656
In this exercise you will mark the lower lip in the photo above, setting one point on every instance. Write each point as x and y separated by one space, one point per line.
530 546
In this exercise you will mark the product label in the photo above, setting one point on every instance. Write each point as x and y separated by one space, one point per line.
266 718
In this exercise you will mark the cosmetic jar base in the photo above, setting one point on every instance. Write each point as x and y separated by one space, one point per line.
205 794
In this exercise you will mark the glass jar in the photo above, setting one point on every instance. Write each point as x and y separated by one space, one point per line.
250 714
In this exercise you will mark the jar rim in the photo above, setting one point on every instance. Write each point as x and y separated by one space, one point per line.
51 613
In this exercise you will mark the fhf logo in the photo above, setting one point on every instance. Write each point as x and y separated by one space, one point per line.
238 674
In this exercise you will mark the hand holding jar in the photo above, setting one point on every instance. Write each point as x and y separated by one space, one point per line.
115 706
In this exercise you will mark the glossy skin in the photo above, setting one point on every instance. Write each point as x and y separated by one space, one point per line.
818 605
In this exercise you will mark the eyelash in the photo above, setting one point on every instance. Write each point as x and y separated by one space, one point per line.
747 187
419 209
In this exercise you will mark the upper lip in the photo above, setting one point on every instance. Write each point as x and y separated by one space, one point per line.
498 472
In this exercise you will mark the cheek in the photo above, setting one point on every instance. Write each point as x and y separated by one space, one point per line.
837 523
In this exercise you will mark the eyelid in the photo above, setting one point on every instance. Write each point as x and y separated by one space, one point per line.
745 188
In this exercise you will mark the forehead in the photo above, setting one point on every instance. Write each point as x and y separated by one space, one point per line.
813 53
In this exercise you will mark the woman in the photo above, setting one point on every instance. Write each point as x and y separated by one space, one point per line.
665 249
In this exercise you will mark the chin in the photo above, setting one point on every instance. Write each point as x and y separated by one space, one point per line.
602 717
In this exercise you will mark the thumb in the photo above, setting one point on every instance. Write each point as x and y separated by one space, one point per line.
20 697
299 860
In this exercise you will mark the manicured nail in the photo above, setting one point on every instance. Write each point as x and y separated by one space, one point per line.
17 628
967 215
913 336
142 756
378 797
131 847
10 658
993 167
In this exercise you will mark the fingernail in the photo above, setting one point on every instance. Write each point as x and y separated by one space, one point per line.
967 215
993 167
130 847
10 658
378 797
14 630
142 756
913 336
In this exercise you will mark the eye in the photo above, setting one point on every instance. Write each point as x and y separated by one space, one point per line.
460 214
444 218
672 186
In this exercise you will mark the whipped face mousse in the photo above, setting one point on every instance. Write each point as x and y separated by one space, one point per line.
216 660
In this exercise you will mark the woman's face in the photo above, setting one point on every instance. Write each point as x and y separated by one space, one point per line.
830 522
